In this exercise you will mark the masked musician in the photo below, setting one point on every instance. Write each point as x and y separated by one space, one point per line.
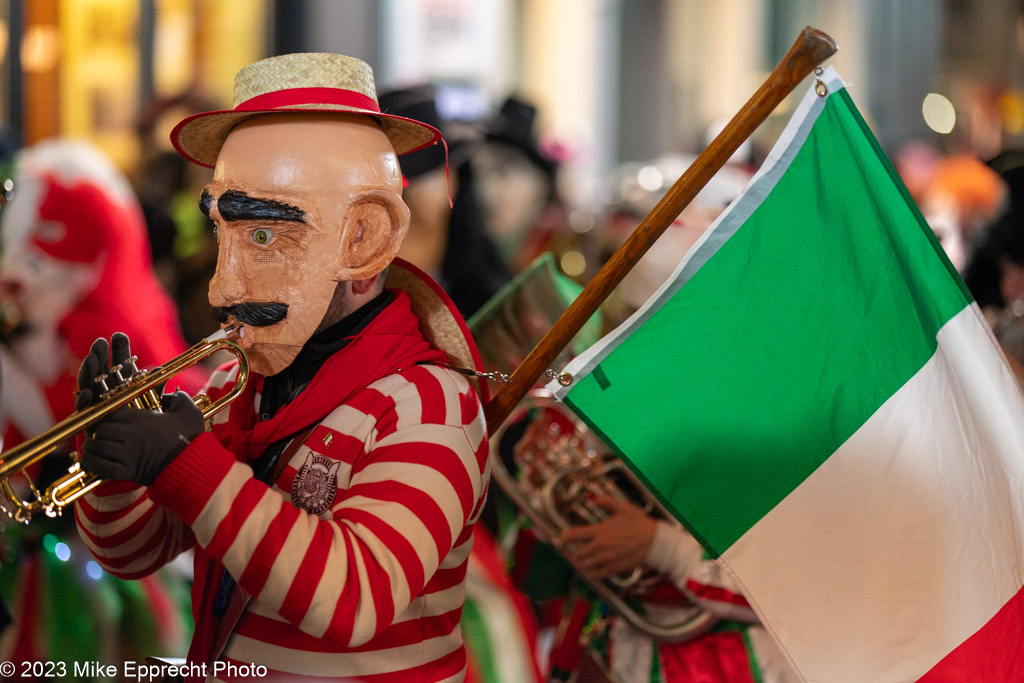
447 241
734 647
75 264
498 624
331 508
517 182
737 648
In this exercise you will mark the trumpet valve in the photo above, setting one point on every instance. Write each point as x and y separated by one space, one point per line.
131 367
115 370
101 380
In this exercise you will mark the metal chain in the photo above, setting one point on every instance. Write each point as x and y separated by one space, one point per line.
563 378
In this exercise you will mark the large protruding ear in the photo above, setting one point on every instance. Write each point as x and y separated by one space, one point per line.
373 230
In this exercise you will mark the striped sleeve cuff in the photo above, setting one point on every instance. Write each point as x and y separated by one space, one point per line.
674 553
189 481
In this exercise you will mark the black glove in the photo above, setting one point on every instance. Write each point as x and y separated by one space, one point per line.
96 364
136 445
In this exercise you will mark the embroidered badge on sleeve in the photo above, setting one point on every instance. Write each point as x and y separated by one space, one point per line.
316 484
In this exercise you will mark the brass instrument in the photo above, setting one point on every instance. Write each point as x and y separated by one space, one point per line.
136 388
547 461
811 48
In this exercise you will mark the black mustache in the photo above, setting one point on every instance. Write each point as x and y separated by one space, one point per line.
253 313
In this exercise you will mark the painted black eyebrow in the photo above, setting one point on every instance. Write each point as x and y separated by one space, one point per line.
235 205
205 202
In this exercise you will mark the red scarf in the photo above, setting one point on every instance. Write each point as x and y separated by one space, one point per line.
390 342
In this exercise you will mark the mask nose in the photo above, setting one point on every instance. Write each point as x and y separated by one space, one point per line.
227 286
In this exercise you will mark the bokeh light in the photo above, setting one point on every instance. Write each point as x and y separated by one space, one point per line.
939 113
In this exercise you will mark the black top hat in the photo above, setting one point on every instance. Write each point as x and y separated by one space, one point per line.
418 104
513 125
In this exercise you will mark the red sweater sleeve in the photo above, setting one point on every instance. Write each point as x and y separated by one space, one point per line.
127 532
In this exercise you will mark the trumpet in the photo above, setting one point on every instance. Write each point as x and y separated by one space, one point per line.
136 388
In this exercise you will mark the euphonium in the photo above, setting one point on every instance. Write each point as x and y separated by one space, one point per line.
557 467
547 461
137 388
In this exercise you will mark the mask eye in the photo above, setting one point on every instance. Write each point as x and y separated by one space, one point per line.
262 236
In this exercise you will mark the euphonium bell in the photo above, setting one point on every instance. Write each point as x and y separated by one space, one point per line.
137 388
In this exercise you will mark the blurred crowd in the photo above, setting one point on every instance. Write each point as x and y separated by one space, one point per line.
976 210
85 251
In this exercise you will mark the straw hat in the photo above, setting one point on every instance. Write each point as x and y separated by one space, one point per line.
306 82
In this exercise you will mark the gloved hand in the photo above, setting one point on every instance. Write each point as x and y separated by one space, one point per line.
96 364
134 444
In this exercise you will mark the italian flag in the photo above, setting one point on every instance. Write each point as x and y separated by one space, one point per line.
816 396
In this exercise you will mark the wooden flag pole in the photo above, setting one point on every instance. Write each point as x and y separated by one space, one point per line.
810 49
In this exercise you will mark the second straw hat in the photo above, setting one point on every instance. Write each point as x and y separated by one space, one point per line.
300 82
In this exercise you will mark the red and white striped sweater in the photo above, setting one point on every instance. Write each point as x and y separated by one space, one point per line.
370 588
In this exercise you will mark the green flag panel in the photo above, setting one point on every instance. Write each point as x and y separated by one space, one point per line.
818 296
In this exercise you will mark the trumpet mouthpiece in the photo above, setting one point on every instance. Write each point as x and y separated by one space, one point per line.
230 330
